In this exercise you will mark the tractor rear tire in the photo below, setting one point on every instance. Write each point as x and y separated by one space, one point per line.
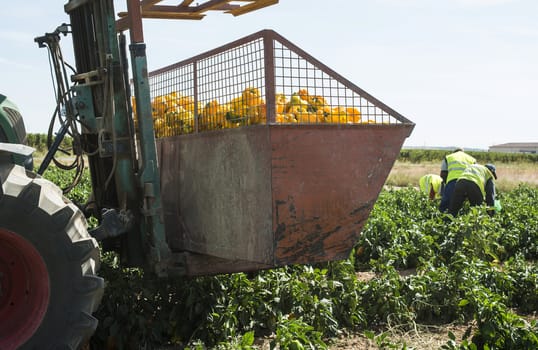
48 262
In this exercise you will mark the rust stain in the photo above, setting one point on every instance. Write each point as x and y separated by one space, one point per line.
325 183
298 195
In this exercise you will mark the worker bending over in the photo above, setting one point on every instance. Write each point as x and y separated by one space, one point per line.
452 167
475 183
430 184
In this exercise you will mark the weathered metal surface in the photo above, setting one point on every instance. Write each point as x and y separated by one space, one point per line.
217 193
325 181
272 195
202 265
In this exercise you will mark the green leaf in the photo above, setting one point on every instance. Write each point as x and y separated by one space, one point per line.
369 334
247 339
463 302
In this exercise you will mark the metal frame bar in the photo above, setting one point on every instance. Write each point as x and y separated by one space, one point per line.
152 9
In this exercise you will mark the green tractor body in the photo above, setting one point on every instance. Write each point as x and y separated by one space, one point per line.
12 130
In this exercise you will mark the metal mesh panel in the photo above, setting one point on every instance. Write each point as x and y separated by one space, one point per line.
230 87
306 94
173 105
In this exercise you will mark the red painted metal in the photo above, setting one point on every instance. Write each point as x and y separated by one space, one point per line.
24 290
272 195
325 182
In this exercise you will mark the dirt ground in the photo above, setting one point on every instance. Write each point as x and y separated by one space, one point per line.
510 175
421 337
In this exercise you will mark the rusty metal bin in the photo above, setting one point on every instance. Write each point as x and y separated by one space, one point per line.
260 183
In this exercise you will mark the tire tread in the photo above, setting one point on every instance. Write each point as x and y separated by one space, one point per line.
37 197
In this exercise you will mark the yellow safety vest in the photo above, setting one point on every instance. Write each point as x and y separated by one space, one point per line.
428 181
478 174
456 163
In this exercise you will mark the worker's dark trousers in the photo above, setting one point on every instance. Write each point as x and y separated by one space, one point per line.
447 195
463 190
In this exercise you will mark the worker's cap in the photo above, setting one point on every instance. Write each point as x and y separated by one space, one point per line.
491 168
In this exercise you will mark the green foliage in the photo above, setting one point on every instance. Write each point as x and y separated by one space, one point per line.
299 303
384 300
429 268
476 268
295 334
63 178
498 327
520 222
39 142
392 235
428 155
524 277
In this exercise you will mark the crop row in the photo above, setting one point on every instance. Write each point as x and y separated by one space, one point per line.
473 269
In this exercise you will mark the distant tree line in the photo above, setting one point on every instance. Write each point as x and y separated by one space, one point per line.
39 142
429 155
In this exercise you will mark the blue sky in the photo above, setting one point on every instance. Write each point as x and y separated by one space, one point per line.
465 71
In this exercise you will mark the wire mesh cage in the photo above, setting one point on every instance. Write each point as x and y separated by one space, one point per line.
260 79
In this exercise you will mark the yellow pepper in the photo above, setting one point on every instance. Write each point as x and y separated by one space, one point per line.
251 97
354 115
281 101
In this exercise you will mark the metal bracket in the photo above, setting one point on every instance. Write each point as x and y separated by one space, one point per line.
123 146
113 224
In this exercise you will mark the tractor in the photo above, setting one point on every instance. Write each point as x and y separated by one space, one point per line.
250 156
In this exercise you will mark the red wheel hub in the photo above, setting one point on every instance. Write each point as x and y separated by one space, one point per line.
24 289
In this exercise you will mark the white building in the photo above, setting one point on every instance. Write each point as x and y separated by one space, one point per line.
515 147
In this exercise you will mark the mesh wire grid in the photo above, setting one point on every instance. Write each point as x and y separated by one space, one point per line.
257 80
327 99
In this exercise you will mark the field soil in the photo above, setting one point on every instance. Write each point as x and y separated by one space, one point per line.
420 337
